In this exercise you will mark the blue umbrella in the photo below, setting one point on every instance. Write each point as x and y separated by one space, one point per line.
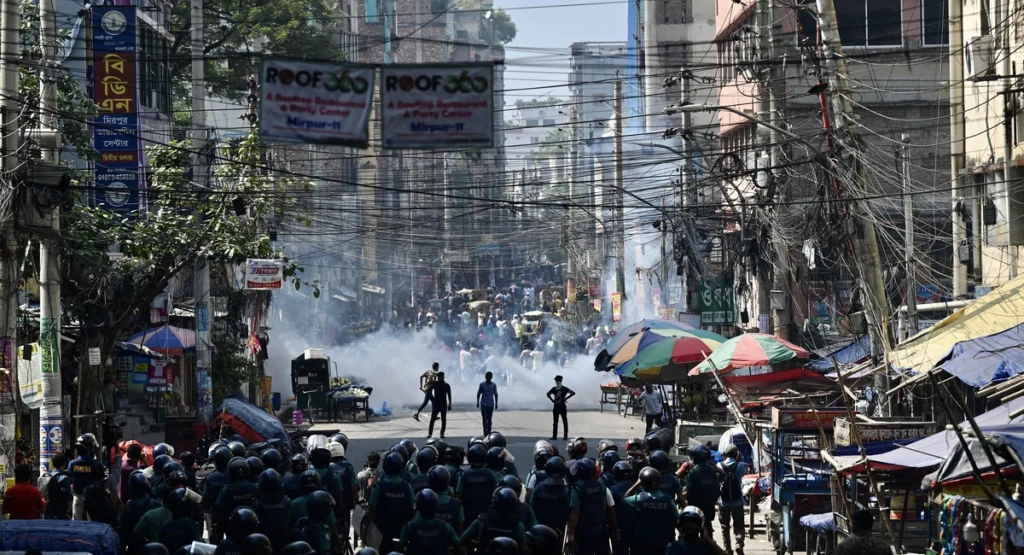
168 340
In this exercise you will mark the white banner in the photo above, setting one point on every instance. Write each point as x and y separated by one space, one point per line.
264 274
437 106
311 102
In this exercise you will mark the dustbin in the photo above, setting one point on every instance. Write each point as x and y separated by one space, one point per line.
275 401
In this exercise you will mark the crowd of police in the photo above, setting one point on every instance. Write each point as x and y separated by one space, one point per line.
434 500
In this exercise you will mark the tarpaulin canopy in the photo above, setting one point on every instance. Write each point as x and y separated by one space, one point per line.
956 466
983 360
847 355
251 422
800 379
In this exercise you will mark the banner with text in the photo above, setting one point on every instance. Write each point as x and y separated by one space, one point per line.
264 274
437 106
313 102
119 176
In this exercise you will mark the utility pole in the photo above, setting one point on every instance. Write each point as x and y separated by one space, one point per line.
10 56
689 186
908 226
201 282
958 143
620 182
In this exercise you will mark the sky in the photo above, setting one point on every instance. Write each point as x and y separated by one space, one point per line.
538 58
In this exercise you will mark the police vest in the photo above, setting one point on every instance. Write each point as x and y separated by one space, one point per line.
291 486
227 547
497 525
706 490
178 533
427 537
551 503
625 514
346 474
478 486
81 474
592 506
273 517
668 484
448 511
656 517
133 512
456 473
394 507
235 495
215 482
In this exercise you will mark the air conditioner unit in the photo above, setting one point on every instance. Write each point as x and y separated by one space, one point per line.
979 58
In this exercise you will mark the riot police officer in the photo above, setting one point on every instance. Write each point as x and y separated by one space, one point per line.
426 534
670 484
608 461
526 515
257 544
536 474
181 530
496 463
271 458
299 464
495 439
426 458
449 509
592 519
656 515
138 505
271 507
625 514
255 468
317 528
212 487
242 522
691 540
298 509
702 485
157 474
81 472
347 476
550 499
239 492
476 486
391 502
453 457
500 521
541 540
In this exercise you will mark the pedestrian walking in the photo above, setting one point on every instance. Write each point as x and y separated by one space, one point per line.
440 404
558 396
730 501
487 400
652 406
427 380
22 501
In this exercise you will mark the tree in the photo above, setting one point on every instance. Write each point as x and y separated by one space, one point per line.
499 29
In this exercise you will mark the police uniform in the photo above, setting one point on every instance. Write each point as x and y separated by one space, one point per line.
492 525
455 472
703 490
215 482
180 532
392 501
550 502
232 496
419 482
590 497
427 536
273 515
625 516
476 486
291 486
656 518
297 511
449 510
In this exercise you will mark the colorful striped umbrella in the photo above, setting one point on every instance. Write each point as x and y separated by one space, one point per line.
667 359
657 326
750 349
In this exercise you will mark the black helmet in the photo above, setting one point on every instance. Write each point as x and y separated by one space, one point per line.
409 446
506 501
608 460
555 467
691 519
393 464
299 548
543 540
255 466
163 449
271 458
477 455
169 467
320 457
242 522
545 445
270 481
367 551
475 440
660 461
606 445
439 479
540 458
319 505
154 548
237 449
439 445
653 443
158 464
622 471
586 469
257 544
238 469
402 451
503 546
176 479
86 444
221 457
454 455
138 484
299 464
650 479
495 458
495 439
176 502
426 458
512 482
700 454
310 481
340 438
577 447
427 503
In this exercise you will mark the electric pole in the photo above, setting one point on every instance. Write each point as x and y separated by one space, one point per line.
689 186
201 283
908 226
958 143
620 183
10 55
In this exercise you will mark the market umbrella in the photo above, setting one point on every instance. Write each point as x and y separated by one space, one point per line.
165 339
647 338
664 328
667 359
750 349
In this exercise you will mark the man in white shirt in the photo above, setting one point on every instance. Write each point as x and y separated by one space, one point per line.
652 406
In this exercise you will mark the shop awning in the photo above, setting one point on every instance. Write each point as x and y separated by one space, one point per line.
982 361
847 355
956 466
799 379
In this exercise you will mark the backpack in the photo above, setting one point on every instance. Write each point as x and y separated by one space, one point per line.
730 486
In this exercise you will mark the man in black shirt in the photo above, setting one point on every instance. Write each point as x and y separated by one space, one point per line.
440 403
559 395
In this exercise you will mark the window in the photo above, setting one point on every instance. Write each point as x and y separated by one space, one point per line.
861 22
531 123
534 140
549 122
371 11
154 70
936 21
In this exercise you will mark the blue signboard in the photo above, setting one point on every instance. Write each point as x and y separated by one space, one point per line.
117 188
117 132
113 29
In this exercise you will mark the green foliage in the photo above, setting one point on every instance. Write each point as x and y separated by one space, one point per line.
232 368
499 29
556 143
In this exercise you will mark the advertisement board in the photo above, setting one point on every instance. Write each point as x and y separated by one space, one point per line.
316 102
869 432
616 306
440 106
805 419
264 274
717 303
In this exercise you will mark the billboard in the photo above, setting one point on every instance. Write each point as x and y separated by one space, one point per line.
441 106
316 102
119 177
263 274
717 303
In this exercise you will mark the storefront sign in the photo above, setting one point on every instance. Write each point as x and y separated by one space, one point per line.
667 313
140 371
314 102
616 306
717 303
805 419
264 274
437 106
883 431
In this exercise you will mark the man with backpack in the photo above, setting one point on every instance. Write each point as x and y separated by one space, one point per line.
56 489
730 502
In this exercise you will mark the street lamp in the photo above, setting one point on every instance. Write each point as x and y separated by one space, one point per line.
679 108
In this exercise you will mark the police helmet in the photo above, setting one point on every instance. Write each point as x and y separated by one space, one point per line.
512 482
502 546
301 548
475 440
635 445
606 445
337 451
255 466
340 439
660 461
543 540
506 501
86 444
402 452
270 481
393 464
409 446
495 439
438 479
545 445
455 455
299 464
477 455
176 479
170 467
257 544
237 449
700 454
176 502
271 459
577 447
555 467
163 449
426 458
427 503
586 469
154 548
608 460
159 463
319 504
238 469
650 479
242 522
495 459
138 484
439 445
221 457
367 551
691 520
310 481
320 457
540 458
621 471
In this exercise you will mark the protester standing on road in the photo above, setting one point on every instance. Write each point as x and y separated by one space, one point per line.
427 380
440 404
652 406
487 400
558 395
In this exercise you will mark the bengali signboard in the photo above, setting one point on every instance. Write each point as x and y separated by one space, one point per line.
437 106
264 274
616 306
315 102
717 303
805 419
880 431
119 176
